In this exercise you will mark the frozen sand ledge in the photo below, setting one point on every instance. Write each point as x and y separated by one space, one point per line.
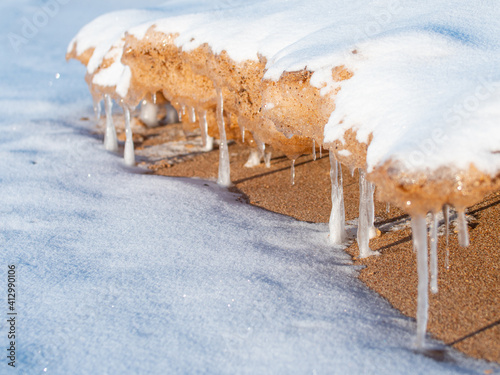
411 94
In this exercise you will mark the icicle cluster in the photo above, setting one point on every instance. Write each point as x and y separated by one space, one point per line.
426 250
424 261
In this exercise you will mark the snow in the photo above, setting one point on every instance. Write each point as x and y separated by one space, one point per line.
120 271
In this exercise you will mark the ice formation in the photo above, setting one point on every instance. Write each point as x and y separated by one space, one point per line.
420 240
292 170
433 251
128 152
149 113
267 159
110 140
253 159
242 127
371 209
365 220
337 216
446 215
97 109
463 232
224 178
261 147
192 114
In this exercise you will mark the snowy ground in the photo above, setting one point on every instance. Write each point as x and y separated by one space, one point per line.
122 272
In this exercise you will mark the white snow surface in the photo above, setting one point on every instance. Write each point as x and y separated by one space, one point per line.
123 272
426 74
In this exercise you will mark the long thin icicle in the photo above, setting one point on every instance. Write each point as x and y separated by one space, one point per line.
110 140
128 154
267 159
314 150
224 178
97 109
446 214
420 243
149 113
463 230
293 171
371 210
364 223
434 256
192 114
261 146
337 216
241 125
253 159
203 127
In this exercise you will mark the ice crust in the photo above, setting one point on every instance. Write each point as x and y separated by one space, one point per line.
426 75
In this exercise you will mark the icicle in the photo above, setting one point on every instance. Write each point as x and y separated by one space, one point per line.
203 128
224 178
267 159
413 231
387 207
293 172
110 140
434 256
320 151
463 232
241 125
314 150
180 113
364 223
97 109
420 243
128 155
337 216
208 142
192 114
371 210
153 97
149 114
446 214
253 159
183 110
261 146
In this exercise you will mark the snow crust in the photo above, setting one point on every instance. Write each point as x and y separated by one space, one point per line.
426 74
